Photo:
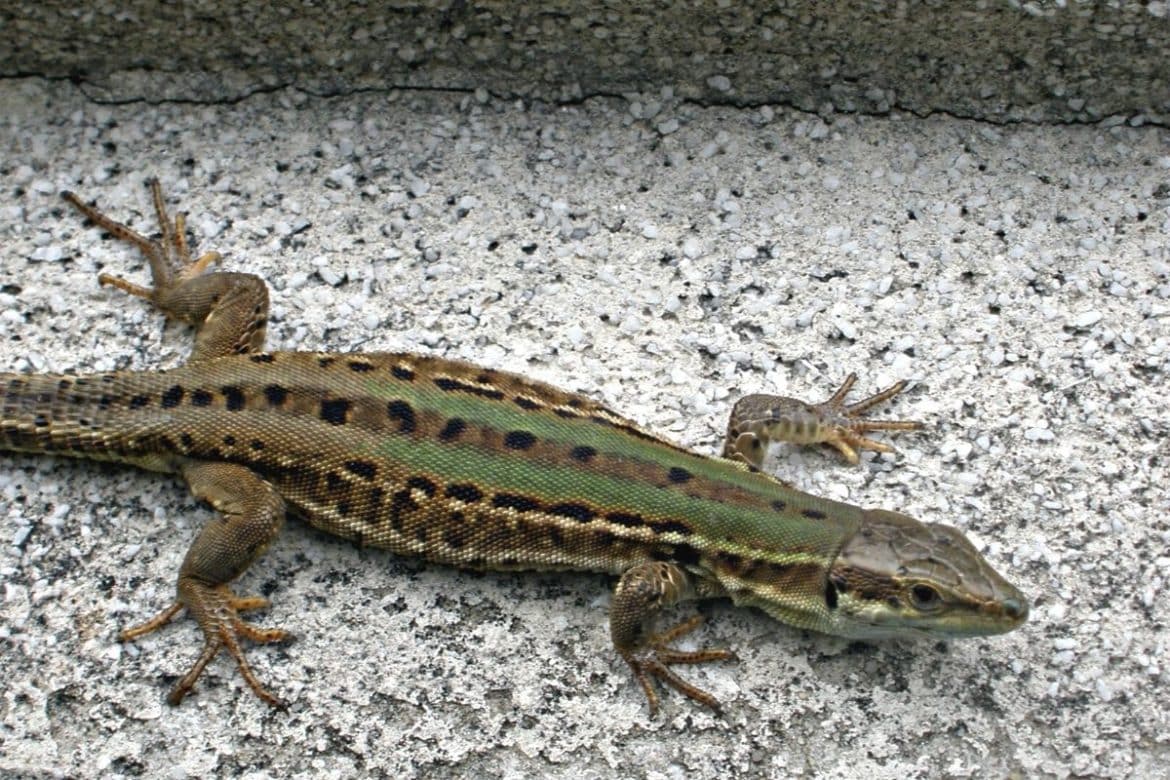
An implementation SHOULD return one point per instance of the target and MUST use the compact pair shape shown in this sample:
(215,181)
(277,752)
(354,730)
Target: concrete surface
(994,60)
(1019,275)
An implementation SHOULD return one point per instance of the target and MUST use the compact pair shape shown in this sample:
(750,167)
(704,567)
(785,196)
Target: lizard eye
(925,598)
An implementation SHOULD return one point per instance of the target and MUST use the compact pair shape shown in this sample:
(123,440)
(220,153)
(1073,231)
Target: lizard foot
(170,258)
(216,609)
(655,658)
(757,420)
(845,424)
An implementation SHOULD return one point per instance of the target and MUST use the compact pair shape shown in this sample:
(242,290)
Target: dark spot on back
(555,535)
(451,431)
(229,440)
(360,366)
(671,527)
(262,357)
(779,505)
(686,555)
(467,493)
(678,475)
(335,411)
(519,440)
(276,395)
(813,514)
(186,440)
(729,559)
(361,468)
(603,539)
(422,484)
(584,454)
(514,501)
(233,398)
(172,397)
(403,373)
(257,445)
(373,505)
(454,536)
(402,412)
(325,362)
(333,481)
(626,519)
(526,403)
(454,385)
(139,401)
(201,398)
(578,512)
(399,503)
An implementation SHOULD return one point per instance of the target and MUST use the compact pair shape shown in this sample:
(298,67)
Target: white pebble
(1087,319)
(418,188)
(846,328)
(668,126)
(329,276)
(719,82)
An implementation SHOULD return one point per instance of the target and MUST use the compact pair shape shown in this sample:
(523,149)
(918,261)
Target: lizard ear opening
(831,593)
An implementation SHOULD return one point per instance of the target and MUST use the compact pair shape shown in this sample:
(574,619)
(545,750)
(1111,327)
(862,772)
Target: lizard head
(897,576)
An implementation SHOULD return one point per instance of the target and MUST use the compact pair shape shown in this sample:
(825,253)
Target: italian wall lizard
(483,469)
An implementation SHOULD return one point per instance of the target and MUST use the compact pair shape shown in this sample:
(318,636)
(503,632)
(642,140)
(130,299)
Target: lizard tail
(67,415)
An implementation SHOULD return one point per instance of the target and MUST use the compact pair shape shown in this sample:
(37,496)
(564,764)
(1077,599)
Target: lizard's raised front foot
(216,609)
(757,420)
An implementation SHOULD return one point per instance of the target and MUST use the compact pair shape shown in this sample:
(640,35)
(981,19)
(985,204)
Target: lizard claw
(216,609)
(655,658)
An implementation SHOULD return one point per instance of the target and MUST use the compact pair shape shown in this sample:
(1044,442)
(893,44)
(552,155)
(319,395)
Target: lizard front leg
(251,515)
(641,593)
(757,420)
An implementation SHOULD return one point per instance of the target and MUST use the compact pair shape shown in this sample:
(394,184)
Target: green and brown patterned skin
(488,470)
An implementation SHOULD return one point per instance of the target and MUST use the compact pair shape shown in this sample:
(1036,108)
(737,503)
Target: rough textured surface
(1048,60)
(1019,275)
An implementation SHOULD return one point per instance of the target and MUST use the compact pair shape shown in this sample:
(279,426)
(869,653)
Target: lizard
(487,470)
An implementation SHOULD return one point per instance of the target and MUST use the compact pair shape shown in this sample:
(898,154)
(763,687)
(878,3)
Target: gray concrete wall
(996,61)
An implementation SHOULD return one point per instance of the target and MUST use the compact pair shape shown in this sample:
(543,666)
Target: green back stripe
(505,415)
(744,531)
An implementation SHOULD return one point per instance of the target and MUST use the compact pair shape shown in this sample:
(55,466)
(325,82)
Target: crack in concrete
(1115,119)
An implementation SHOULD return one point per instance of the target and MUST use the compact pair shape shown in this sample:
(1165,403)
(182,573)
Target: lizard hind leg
(229,310)
(252,515)
(170,259)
